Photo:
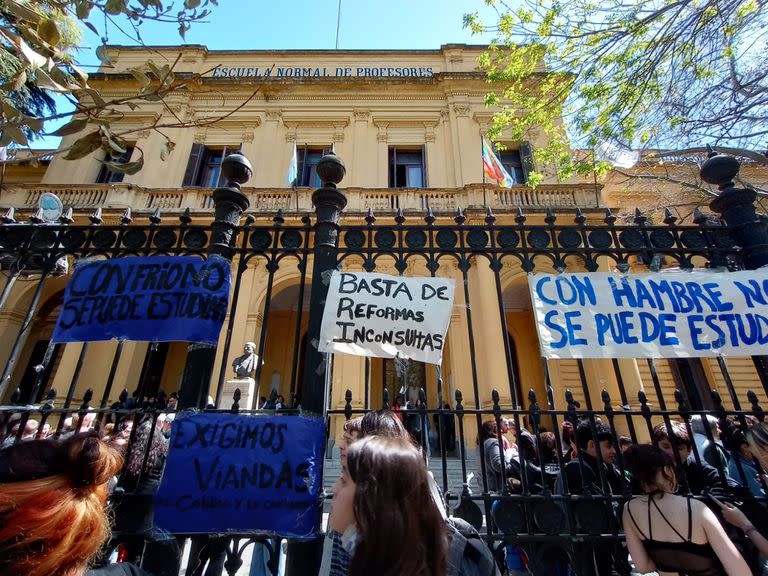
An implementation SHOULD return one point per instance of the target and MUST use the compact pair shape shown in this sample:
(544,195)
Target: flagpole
(482,166)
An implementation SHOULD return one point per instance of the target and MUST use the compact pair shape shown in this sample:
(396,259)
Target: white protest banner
(386,316)
(660,315)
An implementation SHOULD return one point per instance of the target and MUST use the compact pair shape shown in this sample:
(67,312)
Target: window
(512,163)
(307,158)
(107,176)
(204,166)
(406,167)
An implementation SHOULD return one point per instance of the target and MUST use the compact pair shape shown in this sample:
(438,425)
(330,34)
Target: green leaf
(12,133)
(21,11)
(48,30)
(44,81)
(72,127)
(83,9)
(17,81)
(94,94)
(35,59)
(166,148)
(142,78)
(127,167)
(114,7)
(84,146)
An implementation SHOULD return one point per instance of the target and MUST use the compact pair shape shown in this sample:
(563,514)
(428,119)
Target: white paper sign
(660,315)
(386,316)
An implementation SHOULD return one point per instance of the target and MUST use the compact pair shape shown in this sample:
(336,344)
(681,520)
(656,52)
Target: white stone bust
(245,365)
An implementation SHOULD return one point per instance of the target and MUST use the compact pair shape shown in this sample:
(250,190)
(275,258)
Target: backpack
(468,553)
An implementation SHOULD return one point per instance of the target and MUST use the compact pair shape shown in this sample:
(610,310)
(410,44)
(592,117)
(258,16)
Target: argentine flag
(293,168)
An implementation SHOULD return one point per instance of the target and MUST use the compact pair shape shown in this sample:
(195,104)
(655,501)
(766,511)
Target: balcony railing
(121,196)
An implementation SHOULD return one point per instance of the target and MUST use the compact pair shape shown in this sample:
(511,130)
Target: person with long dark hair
(673,533)
(384,492)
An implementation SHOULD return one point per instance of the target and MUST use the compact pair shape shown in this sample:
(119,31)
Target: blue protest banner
(153,298)
(233,473)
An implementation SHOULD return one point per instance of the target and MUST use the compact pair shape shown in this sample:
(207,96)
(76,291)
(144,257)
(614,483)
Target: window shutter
(526,159)
(424,183)
(193,166)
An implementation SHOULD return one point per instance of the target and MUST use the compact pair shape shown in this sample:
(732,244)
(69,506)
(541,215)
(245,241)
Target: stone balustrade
(265,200)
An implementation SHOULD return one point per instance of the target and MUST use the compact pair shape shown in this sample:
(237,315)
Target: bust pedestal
(247,393)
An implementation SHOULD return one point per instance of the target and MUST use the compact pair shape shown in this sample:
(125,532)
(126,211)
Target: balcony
(268,200)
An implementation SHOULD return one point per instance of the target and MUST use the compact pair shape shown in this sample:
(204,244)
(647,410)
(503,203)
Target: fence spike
(458,396)
(66,216)
(756,408)
(37,217)
(699,217)
(8,217)
(399,217)
(369,217)
(95,217)
(126,218)
(639,218)
(278,219)
(430,217)
(250,220)
(186,217)
(16,397)
(520,218)
(236,395)
(669,218)
(609,218)
(459,218)
(490,217)
(550,217)
(580,218)
(155,218)
(348,404)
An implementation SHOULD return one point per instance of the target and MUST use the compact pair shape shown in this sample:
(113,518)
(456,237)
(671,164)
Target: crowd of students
(667,496)
(691,501)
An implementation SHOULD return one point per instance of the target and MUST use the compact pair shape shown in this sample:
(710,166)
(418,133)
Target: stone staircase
(332,470)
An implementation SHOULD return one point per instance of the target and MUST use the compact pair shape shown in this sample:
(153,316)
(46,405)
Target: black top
(685,557)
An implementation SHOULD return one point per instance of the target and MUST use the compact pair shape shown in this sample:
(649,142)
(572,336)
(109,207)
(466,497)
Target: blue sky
(301,24)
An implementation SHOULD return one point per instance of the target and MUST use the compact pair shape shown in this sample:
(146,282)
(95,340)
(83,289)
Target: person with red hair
(52,507)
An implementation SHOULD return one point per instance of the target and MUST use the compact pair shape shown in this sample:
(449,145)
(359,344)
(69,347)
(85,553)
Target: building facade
(409,126)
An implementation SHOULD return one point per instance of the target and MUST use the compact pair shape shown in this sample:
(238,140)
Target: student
(369,495)
(672,533)
(587,474)
(52,498)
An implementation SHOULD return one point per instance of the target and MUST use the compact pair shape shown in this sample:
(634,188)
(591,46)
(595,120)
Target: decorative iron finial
(96,218)
(126,218)
(186,217)
(66,216)
(155,218)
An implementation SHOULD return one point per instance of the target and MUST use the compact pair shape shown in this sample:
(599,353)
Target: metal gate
(550,527)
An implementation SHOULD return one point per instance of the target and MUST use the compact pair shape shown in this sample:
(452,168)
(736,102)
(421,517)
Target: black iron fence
(550,523)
